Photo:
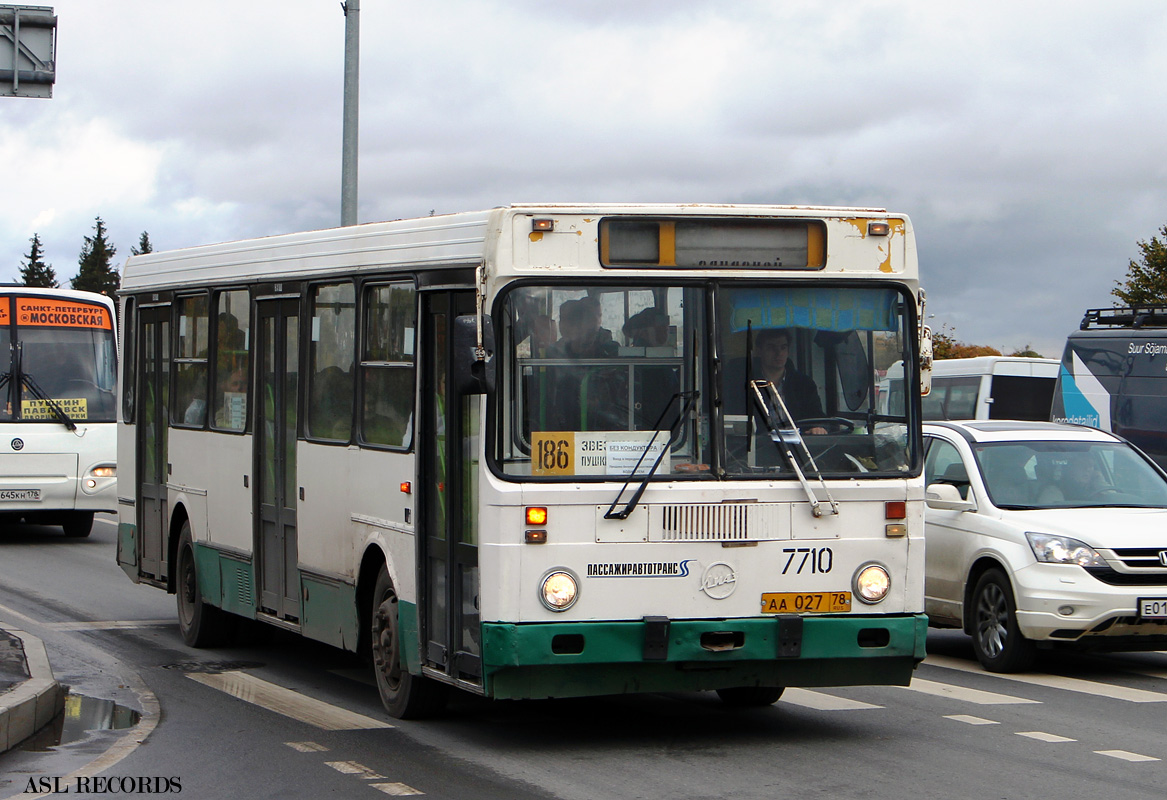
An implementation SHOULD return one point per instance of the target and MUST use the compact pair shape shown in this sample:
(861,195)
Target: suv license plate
(1153,607)
(20,495)
(806,602)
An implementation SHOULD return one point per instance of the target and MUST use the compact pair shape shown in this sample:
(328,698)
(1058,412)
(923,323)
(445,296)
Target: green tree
(1026,352)
(144,245)
(945,345)
(34,271)
(1146,279)
(96,273)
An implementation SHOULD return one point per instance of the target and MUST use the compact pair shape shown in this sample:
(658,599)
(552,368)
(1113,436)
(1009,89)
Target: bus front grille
(724,522)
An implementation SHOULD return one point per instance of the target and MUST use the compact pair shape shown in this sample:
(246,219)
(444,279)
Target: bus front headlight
(871,583)
(559,590)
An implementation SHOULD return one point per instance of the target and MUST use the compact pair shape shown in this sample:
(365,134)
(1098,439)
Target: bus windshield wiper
(36,391)
(784,433)
(690,399)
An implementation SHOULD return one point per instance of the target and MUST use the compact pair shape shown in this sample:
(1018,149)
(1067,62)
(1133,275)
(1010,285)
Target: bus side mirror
(473,369)
(925,361)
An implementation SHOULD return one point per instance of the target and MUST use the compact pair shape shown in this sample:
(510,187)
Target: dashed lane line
(967,695)
(307,747)
(356,770)
(819,701)
(285,701)
(1042,736)
(396,789)
(1125,755)
(970,720)
(1055,682)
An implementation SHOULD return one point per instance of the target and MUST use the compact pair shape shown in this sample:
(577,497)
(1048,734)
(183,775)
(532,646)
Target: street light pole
(352,58)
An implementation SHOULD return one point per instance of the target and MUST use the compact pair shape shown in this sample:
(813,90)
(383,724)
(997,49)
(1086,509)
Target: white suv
(1040,532)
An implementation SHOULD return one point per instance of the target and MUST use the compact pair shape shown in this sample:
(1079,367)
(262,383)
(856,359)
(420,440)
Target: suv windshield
(58,360)
(1069,474)
(594,380)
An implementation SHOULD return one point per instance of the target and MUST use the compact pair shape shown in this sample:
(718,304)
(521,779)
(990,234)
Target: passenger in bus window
(647,328)
(655,385)
(581,333)
(798,391)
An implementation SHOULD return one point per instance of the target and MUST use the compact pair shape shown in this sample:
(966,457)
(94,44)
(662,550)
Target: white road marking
(967,695)
(1045,737)
(353,768)
(971,720)
(1055,682)
(287,702)
(307,747)
(396,789)
(1124,755)
(822,702)
(110,625)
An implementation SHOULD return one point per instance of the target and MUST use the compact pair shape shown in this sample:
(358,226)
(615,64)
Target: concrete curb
(32,704)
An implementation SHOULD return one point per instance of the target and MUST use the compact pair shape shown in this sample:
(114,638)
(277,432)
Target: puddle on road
(81,716)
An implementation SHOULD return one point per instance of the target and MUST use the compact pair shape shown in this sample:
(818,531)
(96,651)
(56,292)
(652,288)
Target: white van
(985,387)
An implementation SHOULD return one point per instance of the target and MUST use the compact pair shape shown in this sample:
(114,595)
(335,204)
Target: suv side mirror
(946,496)
(473,374)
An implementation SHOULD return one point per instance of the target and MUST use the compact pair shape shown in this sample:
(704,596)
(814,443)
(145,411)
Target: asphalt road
(222,723)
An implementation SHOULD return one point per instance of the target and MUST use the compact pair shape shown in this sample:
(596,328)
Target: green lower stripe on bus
(587,658)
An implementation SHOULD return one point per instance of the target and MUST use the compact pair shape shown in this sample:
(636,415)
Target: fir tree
(144,245)
(34,271)
(96,273)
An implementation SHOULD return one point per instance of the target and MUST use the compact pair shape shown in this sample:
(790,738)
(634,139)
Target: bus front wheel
(750,696)
(406,696)
(201,624)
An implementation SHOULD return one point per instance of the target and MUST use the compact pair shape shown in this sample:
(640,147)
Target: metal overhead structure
(28,51)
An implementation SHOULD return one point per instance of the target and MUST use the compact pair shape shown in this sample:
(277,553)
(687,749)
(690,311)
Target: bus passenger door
(152,430)
(277,390)
(448,479)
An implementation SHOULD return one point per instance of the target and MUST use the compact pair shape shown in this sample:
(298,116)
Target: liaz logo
(719,580)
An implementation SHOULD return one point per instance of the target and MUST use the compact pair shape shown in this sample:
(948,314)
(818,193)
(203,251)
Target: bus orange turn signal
(536,515)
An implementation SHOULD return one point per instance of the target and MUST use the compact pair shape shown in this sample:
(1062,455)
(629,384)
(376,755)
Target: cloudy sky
(1026,140)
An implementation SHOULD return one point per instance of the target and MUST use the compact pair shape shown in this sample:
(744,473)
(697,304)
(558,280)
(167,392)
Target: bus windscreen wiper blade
(783,431)
(674,432)
(36,391)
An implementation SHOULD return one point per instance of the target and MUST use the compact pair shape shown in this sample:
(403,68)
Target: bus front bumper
(541,660)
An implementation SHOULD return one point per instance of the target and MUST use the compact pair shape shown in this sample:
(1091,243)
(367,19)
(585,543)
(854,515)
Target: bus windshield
(604,382)
(59,353)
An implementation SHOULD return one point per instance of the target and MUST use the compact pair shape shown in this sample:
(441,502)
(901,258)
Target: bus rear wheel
(78,525)
(201,624)
(750,696)
(405,696)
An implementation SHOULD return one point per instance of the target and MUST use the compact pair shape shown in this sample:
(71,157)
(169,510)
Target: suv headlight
(1053,549)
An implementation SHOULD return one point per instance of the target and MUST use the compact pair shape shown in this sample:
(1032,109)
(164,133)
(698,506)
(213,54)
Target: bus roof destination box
(1114,376)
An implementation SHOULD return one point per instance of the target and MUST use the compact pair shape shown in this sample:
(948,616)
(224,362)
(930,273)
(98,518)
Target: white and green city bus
(532,452)
(58,367)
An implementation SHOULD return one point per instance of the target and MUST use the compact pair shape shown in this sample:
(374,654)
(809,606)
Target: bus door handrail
(784,433)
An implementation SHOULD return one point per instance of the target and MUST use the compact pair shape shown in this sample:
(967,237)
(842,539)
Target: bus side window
(129,336)
(330,362)
(232,361)
(387,366)
(191,349)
